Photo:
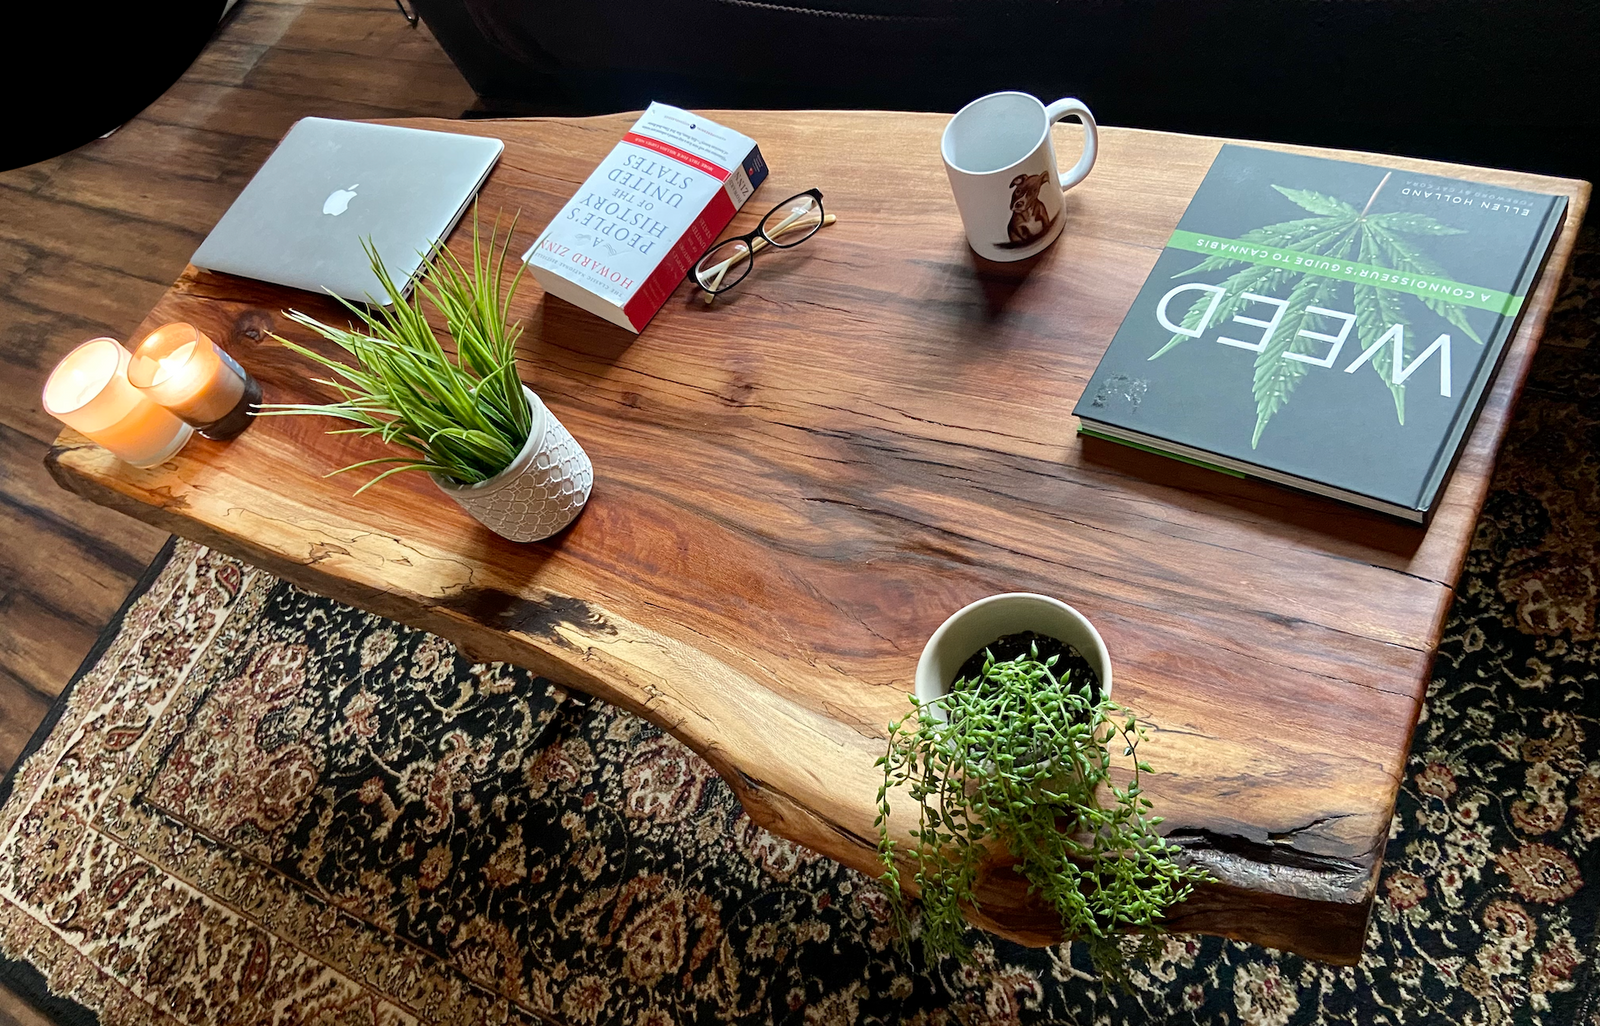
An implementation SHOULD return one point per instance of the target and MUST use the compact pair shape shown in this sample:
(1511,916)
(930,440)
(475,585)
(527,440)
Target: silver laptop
(331,184)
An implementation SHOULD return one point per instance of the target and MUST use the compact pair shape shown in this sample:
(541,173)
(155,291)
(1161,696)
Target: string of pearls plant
(1020,758)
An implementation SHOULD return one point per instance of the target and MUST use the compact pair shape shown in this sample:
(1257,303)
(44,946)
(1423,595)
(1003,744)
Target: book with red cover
(626,240)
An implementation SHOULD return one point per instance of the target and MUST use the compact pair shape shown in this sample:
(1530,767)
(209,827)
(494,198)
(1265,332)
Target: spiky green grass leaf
(462,412)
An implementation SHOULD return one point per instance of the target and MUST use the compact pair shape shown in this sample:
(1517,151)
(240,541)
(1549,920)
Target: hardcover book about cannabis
(1327,325)
(660,198)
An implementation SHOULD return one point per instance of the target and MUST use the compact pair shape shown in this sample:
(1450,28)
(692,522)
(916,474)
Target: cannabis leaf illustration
(1339,231)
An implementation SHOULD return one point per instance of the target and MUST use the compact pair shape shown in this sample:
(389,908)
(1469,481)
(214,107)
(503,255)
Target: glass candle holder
(89,392)
(180,368)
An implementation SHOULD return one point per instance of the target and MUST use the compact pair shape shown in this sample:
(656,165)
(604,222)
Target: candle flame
(173,362)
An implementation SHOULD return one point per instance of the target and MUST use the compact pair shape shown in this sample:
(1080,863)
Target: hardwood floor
(88,243)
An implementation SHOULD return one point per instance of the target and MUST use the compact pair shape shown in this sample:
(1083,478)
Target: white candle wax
(89,392)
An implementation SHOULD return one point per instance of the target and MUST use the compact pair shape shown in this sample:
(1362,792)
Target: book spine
(1499,344)
(746,178)
(738,186)
(672,269)
(755,167)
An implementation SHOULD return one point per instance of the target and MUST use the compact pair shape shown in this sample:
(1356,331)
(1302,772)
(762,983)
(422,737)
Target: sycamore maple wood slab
(796,485)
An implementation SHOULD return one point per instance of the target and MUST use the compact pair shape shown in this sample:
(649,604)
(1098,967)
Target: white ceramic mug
(1002,167)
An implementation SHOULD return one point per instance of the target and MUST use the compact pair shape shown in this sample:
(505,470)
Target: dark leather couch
(1508,83)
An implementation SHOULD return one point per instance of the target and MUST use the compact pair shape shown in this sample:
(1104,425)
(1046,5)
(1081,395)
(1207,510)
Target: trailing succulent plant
(463,413)
(1019,757)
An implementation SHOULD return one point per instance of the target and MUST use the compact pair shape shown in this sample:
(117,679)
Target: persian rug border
(69,925)
(19,974)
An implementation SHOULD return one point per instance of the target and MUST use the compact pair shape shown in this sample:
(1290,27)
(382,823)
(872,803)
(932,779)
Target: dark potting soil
(1013,645)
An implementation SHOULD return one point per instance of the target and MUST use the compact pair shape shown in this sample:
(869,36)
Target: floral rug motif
(262,806)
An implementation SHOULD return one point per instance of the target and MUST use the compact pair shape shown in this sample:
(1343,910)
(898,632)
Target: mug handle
(1091,137)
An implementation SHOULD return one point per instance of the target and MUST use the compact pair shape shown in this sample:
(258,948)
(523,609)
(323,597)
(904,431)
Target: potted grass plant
(1009,751)
(465,416)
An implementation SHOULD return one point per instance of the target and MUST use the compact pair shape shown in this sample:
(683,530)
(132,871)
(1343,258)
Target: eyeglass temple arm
(717,272)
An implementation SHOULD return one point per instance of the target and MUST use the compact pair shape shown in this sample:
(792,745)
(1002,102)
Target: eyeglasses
(788,224)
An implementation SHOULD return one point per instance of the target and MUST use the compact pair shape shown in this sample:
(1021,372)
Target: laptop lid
(329,185)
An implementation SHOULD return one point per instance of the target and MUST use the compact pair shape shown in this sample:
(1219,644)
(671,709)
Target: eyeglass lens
(790,223)
(793,221)
(723,266)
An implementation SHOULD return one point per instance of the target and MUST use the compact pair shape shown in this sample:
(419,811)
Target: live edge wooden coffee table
(796,485)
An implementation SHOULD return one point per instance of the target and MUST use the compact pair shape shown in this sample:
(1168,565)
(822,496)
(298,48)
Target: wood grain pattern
(797,484)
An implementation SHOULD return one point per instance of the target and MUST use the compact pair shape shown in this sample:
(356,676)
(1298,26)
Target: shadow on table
(998,283)
(560,325)
(497,604)
(1310,519)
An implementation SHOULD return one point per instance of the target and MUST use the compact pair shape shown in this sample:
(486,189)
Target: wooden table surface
(796,485)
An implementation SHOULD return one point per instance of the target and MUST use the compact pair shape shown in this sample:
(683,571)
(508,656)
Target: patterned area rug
(261,806)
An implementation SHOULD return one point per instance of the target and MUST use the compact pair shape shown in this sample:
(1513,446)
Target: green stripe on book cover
(1092,433)
(1425,285)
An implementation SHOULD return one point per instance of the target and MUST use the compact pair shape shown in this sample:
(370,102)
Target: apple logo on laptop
(339,200)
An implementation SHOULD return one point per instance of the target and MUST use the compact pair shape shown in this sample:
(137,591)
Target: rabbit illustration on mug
(1030,218)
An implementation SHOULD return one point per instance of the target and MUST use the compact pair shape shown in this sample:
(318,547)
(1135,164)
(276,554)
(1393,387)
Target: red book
(628,237)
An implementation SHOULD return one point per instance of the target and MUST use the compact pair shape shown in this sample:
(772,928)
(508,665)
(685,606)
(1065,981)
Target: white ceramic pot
(974,627)
(540,492)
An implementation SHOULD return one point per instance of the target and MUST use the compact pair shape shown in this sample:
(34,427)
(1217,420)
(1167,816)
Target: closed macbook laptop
(331,184)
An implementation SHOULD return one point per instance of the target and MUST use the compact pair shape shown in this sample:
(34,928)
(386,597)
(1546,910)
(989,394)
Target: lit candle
(167,366)
(89,392)
(178,366)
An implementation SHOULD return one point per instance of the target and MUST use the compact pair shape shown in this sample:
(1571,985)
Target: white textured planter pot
(543,489)
(972,628)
